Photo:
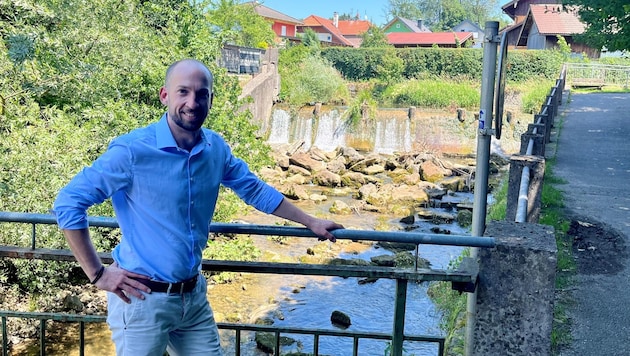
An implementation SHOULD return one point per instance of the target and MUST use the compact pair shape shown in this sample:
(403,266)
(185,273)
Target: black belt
(172,288)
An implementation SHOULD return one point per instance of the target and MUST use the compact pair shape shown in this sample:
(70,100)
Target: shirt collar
(164,137)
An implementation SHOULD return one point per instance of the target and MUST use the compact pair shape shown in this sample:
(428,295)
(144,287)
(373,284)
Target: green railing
(463,279)
(597,75)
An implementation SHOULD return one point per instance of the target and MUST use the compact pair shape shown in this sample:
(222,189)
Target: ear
(163,96)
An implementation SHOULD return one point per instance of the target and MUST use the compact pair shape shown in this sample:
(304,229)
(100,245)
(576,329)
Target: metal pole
(399,317)
(484,137)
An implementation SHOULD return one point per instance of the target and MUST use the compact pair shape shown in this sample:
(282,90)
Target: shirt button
(192,202)
(192,225)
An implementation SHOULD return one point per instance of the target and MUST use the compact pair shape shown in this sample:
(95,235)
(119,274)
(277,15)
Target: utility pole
(484,137)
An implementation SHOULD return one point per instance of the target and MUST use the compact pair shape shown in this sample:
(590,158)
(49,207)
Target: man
(164,181)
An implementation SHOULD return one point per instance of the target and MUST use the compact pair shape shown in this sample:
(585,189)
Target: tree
(374,37)
(240,24)
(408,9)
(607,22)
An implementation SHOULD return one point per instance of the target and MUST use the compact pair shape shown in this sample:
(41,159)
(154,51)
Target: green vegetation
(440,93)
(533,93)
(75,75)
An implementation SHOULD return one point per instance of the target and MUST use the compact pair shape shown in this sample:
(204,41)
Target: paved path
(593,157)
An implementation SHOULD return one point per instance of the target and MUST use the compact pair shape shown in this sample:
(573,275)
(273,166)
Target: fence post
(515,293)
(538,137)
(536,166)
(546,120)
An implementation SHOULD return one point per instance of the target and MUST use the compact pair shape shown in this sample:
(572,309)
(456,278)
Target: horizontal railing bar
(389,236)
(368,235)
(418,275)
(62,317)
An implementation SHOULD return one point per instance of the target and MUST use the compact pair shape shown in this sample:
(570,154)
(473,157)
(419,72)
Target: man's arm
(320,227)
(113,279)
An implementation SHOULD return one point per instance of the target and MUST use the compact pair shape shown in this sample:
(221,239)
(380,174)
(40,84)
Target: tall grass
(533,93)
(433,93)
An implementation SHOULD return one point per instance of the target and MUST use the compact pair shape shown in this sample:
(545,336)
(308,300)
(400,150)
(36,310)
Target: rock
(373,170)
(293,169)
(340,319)
(341,208)
(327,179)
(266,341)
(337,165)
(294,191)
(408,219)
(432,172)
(305,161)
(72,303)
(353,179)
(383,260)
(464,217)
(318,198)
(455,184)
(297,179)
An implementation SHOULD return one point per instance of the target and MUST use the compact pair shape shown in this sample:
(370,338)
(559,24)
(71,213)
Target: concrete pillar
(539,140)
(536,166)
(515,292)
(545,119)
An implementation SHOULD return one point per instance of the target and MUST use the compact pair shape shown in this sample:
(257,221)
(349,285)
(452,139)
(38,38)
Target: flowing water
(301,301)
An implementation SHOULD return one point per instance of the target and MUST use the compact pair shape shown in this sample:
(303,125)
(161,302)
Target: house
(327,31)
(537,23)
(469,26)
(283,25)
(544,22)
(352,30)
(399,24)
(429,39)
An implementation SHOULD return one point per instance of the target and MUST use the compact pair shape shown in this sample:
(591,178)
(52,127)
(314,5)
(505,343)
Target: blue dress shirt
(163,196)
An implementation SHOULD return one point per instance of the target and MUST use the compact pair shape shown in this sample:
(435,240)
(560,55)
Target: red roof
(316,21)
(553,19)
(353,27)
(427,38)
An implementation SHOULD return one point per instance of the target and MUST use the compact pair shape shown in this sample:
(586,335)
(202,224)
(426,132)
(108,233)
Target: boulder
(294,191)
(353,179)
(305,161)
(293,169)
(341,208)
(327,179)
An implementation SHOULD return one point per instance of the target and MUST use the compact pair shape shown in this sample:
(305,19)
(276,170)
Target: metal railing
(463,279)
(597,75)
(533,142)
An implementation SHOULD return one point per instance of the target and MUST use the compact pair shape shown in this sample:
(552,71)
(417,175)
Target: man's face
(188,95)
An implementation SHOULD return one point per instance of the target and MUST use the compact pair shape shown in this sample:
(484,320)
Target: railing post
(545,119)
(538,137)
(399,317)
(516,291)
(536,166)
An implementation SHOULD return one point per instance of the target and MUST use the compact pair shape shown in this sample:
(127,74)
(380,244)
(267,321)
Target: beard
(191,120)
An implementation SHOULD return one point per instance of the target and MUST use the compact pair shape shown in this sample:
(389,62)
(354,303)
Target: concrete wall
(262,91)
(515,293)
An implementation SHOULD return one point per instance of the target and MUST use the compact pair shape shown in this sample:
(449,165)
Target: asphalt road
(593,157)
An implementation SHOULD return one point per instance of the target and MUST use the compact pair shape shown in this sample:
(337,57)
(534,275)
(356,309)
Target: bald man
(164,181)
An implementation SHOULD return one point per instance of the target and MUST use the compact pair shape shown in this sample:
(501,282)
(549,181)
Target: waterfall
(279,131)
(330,131)
(390,134)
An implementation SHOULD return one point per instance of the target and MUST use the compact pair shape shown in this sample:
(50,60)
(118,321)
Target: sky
(300,9)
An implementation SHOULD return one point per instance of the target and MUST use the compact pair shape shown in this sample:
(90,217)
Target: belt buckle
(181,288)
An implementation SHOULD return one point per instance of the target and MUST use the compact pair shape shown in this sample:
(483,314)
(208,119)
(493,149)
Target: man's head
(187,93)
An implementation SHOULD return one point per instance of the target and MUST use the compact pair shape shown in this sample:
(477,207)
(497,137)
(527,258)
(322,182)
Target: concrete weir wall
(263,90)
(515,292)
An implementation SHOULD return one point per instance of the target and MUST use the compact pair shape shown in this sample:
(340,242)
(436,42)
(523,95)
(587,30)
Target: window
(283,31)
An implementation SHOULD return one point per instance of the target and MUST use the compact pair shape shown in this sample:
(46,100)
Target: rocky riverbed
(362,191)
